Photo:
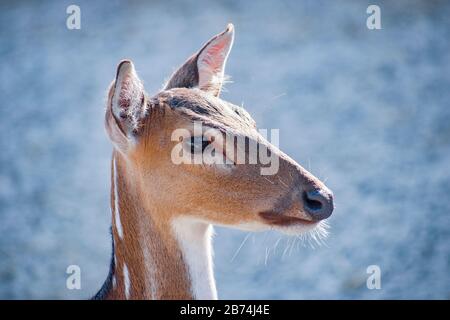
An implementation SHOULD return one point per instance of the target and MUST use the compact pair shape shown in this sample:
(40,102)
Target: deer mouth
(280,220)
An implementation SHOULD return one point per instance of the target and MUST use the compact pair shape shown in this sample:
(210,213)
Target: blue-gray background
(367,111)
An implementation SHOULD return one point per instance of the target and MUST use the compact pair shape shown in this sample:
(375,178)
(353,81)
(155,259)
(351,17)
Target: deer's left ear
(206,69)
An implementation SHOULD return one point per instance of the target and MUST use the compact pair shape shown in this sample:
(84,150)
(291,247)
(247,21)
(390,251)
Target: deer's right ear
(126,106)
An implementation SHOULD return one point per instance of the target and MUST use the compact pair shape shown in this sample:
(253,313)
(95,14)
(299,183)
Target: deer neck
(154,257)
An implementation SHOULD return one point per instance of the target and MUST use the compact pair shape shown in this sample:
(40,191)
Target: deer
(163,213)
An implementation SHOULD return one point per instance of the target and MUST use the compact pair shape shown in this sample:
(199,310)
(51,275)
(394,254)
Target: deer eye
(198,144)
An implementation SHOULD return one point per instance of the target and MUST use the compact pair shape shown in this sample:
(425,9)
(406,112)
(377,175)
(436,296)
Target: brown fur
(153,191)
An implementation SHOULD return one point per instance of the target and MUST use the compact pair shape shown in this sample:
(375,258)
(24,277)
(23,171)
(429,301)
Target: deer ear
(206,69)
(126,105)
(212,59)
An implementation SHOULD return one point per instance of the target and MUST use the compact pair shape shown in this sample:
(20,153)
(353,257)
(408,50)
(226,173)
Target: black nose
(318,204)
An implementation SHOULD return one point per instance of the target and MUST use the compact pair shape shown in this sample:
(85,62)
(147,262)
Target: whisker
(278,96)
(318,235)
(275,246)
(282,182)
(286,249)
(301,241)
(240,247)
(292,246)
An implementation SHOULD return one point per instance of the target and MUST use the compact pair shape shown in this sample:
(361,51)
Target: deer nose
(318,204)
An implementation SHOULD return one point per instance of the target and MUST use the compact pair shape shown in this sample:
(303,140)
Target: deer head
(154,138)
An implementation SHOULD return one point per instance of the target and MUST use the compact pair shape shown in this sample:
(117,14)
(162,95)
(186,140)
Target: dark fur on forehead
(200,106)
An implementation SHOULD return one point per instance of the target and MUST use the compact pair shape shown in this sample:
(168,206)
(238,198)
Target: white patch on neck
(116,203)
(194,238)
(126,280)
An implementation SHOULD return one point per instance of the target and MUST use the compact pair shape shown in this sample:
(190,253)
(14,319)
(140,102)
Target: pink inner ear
(214,55)
(211,62)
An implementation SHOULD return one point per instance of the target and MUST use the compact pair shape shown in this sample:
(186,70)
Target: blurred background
(366,110)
